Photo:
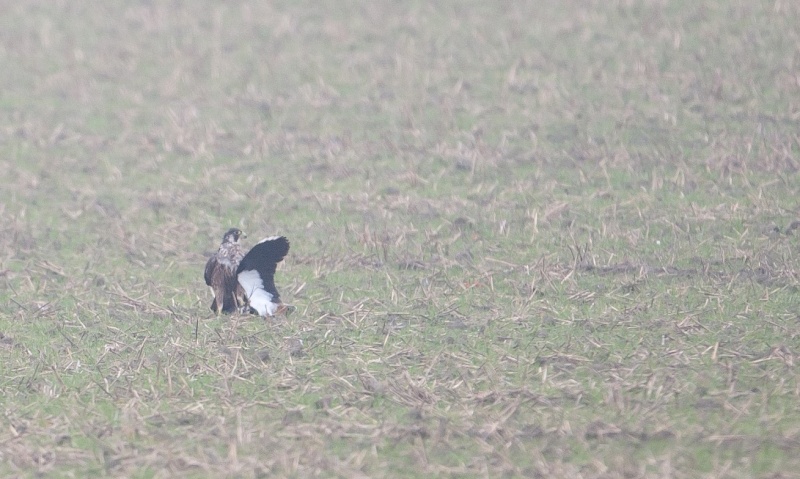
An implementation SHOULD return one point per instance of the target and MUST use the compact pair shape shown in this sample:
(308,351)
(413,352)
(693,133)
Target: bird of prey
(246,282)
(220,273)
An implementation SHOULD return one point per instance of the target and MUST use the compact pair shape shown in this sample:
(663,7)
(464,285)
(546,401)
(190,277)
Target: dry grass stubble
(559,248)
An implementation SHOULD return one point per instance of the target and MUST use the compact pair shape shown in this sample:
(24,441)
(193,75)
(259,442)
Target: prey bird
(246,282)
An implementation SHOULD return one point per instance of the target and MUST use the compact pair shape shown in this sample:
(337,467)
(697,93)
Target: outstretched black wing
(256,274)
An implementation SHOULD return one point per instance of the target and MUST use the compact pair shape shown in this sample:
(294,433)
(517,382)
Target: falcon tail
(256,274)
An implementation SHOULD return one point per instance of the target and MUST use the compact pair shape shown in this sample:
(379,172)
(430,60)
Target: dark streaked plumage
(243,282)
(220,273)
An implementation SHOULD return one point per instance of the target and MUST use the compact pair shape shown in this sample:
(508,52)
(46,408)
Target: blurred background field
(529,239)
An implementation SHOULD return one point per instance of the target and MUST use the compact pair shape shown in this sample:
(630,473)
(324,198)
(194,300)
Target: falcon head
(232,236)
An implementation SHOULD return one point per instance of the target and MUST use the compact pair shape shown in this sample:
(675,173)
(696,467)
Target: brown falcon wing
(214,276)
(209,272)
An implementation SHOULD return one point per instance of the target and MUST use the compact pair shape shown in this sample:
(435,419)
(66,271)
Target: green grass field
(551,239)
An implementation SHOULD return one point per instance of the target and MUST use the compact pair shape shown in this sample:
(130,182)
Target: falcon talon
(246,282)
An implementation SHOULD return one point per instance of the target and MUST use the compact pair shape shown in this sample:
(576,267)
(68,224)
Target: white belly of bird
(259,298)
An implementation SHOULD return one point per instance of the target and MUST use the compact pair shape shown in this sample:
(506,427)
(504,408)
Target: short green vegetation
(529,239)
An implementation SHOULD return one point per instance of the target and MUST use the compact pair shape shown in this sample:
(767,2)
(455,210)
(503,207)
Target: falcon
(246,282)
